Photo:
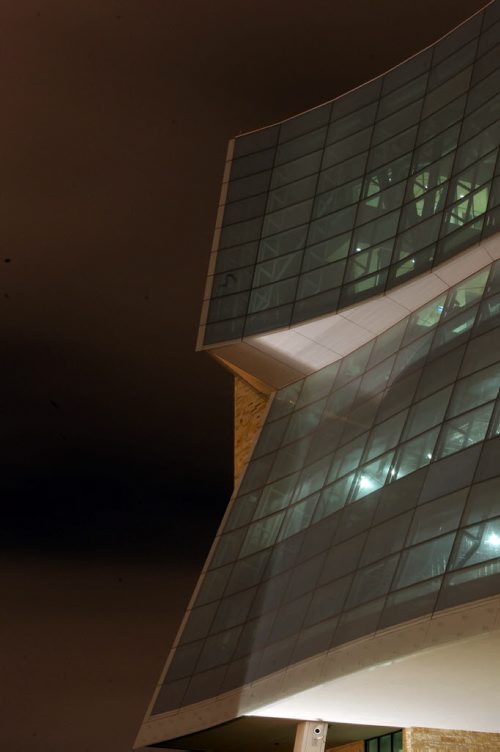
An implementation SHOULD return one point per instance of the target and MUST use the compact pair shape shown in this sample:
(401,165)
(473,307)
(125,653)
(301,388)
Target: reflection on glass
(396,177)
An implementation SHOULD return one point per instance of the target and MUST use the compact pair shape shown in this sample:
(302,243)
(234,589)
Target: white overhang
(284,356)
(438,671)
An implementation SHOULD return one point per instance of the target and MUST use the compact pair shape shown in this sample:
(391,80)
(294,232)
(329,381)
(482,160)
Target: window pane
(411,602)
(342,558)
(471,178)
(424,561)
(305,420)
(320,280)
(262,534)
(242,510)
(392,149)
(276,496)
(477,543)
(305,122)
(228,547)
(347,458)
(318,384)
(342,173)
(465,430)
(464,211)
(372,581)
(386,538)
(284,401)
(256,473)
(214,583)
(385,435)
(374,232)
(386,175)
(437,517)
(297,147)
(415,454)
(397,741)
(333,497)
(298,517)
(440,372)
(328,600)
(282,243)
(424,207)
(299,168)
(431,176)
(424,319)
(475,390)
(312,478)
(427,413)
(218,649)
(247,572)
(367,262)
(320,254)
(290,458)
(484,501)
(372,476)
(398,396)
(352,123)
(341,400)
(478,581)
(338,198)
(452,332)
(271,436)
(401,120)
(385,743)
(331,225)
(348,147)
(466,293)
(388,343)
(354,364)
(402,95)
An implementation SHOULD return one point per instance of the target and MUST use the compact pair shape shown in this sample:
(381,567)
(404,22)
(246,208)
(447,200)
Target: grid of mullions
(392,742)
(362,194)
(371,498)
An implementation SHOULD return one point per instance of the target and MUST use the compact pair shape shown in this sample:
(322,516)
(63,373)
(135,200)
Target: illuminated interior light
(493,539)
(365,483)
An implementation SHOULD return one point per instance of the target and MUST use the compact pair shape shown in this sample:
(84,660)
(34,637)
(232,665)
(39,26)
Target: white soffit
(437,671)
(452,686)
(307,347)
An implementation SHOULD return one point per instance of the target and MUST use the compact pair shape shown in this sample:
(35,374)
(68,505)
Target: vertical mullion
(320,167)
(436,261)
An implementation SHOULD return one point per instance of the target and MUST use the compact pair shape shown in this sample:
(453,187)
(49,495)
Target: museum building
(351,598)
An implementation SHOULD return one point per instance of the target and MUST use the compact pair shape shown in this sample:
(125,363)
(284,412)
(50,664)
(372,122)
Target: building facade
(354,290)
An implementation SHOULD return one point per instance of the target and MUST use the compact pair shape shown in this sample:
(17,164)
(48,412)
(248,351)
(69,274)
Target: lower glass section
(372,498)
(386,743)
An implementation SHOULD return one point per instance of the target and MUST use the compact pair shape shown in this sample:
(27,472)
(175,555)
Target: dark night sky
(115,455)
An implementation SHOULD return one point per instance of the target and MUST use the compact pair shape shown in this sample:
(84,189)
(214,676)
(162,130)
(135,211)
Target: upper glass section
(359,195)
(372,497)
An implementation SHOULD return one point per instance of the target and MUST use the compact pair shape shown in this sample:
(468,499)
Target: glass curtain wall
(372,497)
(363,193)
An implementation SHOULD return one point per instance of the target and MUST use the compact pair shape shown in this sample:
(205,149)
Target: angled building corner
(353,587)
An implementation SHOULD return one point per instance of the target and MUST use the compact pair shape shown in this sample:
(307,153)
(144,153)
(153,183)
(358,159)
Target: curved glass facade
(361,194)
(372,497)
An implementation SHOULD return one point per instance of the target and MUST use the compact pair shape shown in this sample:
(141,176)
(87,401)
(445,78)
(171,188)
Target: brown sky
(114,464)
